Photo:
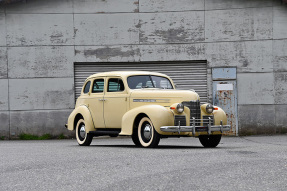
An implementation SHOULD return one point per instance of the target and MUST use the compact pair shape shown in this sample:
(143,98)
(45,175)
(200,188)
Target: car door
(115,104)
(95,102)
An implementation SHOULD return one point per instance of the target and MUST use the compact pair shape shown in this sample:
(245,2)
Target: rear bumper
(209,128)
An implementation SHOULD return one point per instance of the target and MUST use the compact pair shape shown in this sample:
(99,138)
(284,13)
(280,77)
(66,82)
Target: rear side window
(87,87)
(98,86)
(115,85)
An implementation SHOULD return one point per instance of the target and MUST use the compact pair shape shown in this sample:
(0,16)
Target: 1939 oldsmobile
(145,106)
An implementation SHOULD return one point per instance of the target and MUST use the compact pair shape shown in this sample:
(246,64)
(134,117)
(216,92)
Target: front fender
(159,115)
(219,115)
(86,114)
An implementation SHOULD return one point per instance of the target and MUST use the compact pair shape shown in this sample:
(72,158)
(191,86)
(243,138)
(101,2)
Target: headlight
(209,108)
(180,108)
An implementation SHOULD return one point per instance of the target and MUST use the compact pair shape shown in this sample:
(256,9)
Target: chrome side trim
(152,100)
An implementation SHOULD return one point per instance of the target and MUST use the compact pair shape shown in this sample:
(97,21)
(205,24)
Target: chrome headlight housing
(180,108)
(209,108)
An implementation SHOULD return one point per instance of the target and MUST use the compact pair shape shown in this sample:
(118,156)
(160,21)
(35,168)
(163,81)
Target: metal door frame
(226,76)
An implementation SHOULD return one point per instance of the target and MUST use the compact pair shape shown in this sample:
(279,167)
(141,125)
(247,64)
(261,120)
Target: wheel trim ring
(82,132)
(79,138)
(147,131)
(141,138)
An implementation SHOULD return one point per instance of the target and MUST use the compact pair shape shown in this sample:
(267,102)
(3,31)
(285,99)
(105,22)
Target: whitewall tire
(147,135)
(83,138)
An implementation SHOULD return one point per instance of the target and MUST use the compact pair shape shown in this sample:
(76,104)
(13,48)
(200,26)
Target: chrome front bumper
(209,128)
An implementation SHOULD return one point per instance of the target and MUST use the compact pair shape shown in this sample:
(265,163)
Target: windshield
(148,81)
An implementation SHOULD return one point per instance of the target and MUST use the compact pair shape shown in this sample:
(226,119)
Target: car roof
(125,74)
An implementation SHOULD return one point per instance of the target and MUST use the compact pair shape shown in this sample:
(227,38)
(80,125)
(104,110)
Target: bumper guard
(209,128)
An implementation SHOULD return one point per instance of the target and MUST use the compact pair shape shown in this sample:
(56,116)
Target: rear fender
(84,111)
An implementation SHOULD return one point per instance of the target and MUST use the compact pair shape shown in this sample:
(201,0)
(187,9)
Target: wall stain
(77,52)
(245,63)
(176,35)
(106,53)
(57,38)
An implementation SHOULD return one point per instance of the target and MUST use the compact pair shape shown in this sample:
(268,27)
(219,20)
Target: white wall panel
(43,61)
(238,24)
(106,29)
(39,29)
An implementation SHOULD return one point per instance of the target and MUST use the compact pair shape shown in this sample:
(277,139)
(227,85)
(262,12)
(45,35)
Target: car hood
(162,96)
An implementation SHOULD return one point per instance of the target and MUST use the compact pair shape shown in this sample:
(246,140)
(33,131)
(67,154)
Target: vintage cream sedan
(146,106)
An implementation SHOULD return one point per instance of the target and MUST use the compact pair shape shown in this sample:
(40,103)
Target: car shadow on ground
(158,147)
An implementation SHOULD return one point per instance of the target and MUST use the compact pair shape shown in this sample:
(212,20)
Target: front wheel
(135,137)
(209,141)
(83,138)
(147,135)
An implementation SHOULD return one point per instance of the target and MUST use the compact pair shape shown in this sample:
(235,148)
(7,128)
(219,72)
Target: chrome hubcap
(147,131)
(83,131)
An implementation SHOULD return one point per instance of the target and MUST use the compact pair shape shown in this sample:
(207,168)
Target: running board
(105,132)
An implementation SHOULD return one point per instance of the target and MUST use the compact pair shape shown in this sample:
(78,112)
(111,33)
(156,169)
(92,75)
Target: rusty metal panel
(225,96)
(223,73)
(187,75)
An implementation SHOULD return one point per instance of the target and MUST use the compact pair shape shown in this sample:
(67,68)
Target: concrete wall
(40,41)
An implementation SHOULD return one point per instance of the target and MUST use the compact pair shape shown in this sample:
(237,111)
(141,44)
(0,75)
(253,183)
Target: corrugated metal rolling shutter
(187,75)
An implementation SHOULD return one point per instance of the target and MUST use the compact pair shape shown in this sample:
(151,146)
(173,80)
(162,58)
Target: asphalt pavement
(238,163)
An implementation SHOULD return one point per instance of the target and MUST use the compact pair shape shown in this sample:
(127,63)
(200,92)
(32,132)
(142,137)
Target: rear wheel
(209,141)
(147,135)
(83,138)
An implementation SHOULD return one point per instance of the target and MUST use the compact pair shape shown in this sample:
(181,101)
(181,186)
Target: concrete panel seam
(259,104)
(67,109)
(256,40)
(68,77)
(173,11)
(9,120)
(237,8)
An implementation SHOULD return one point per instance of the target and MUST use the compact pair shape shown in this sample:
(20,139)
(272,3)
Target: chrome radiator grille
(181,119)
(195,111)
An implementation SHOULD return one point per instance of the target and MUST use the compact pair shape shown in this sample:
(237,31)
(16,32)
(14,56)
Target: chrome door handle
(102,99)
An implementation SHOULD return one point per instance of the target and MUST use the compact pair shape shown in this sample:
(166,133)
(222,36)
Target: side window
(98,86)
(115,85)
(87,87)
